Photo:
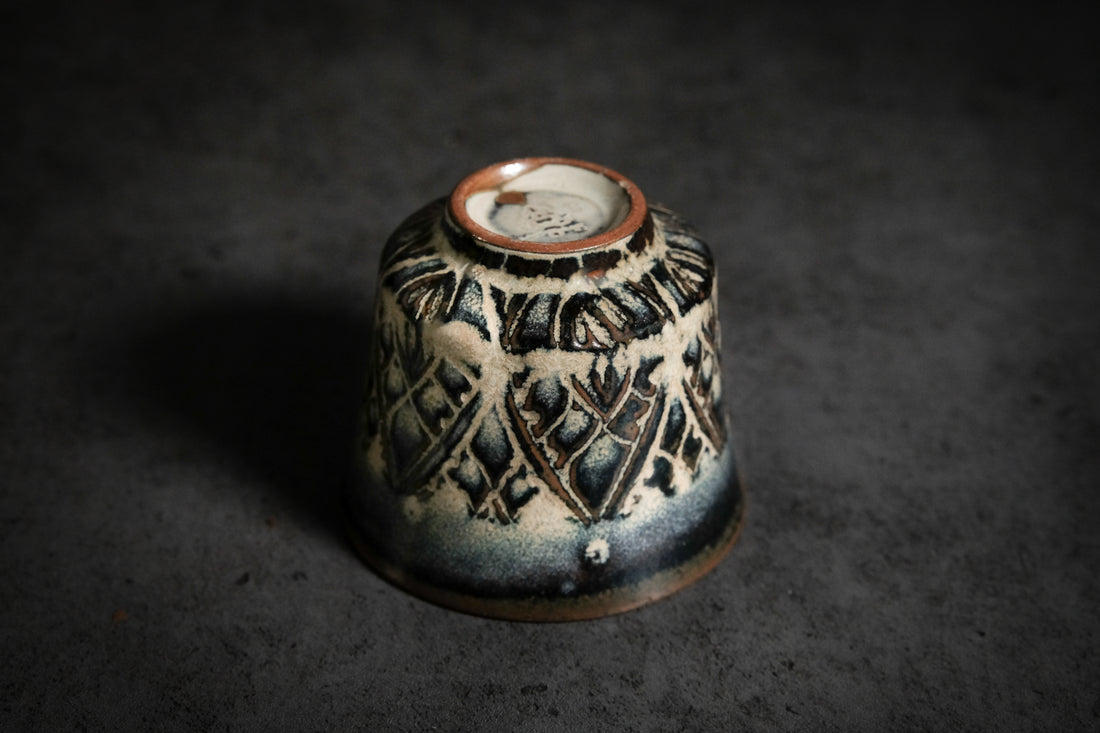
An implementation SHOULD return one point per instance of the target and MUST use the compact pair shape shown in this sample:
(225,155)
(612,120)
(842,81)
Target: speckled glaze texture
(543,436)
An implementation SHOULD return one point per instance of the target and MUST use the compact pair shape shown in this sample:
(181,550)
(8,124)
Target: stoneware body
(543,436)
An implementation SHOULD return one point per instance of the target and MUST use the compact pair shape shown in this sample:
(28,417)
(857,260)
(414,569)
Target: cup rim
(497,174)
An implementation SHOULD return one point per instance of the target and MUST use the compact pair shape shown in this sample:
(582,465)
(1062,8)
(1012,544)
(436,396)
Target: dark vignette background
(904,208)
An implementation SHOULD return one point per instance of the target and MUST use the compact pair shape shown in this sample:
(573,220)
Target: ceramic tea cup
(543,436)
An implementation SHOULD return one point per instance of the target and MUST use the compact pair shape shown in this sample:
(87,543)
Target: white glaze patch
(597,552)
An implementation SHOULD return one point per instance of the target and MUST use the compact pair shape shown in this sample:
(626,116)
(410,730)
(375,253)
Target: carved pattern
(600,319)
(635,418)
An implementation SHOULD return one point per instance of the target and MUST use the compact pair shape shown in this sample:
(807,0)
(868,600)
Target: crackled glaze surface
(545,426)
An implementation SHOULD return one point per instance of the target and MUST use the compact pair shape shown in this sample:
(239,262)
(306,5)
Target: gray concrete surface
(903,205)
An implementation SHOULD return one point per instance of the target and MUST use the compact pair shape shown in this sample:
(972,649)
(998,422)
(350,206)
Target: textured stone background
(903,203)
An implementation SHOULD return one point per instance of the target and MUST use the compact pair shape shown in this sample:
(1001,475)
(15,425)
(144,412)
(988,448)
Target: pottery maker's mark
(546,216)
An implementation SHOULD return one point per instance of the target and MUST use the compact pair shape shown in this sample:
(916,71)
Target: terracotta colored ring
(497,174)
